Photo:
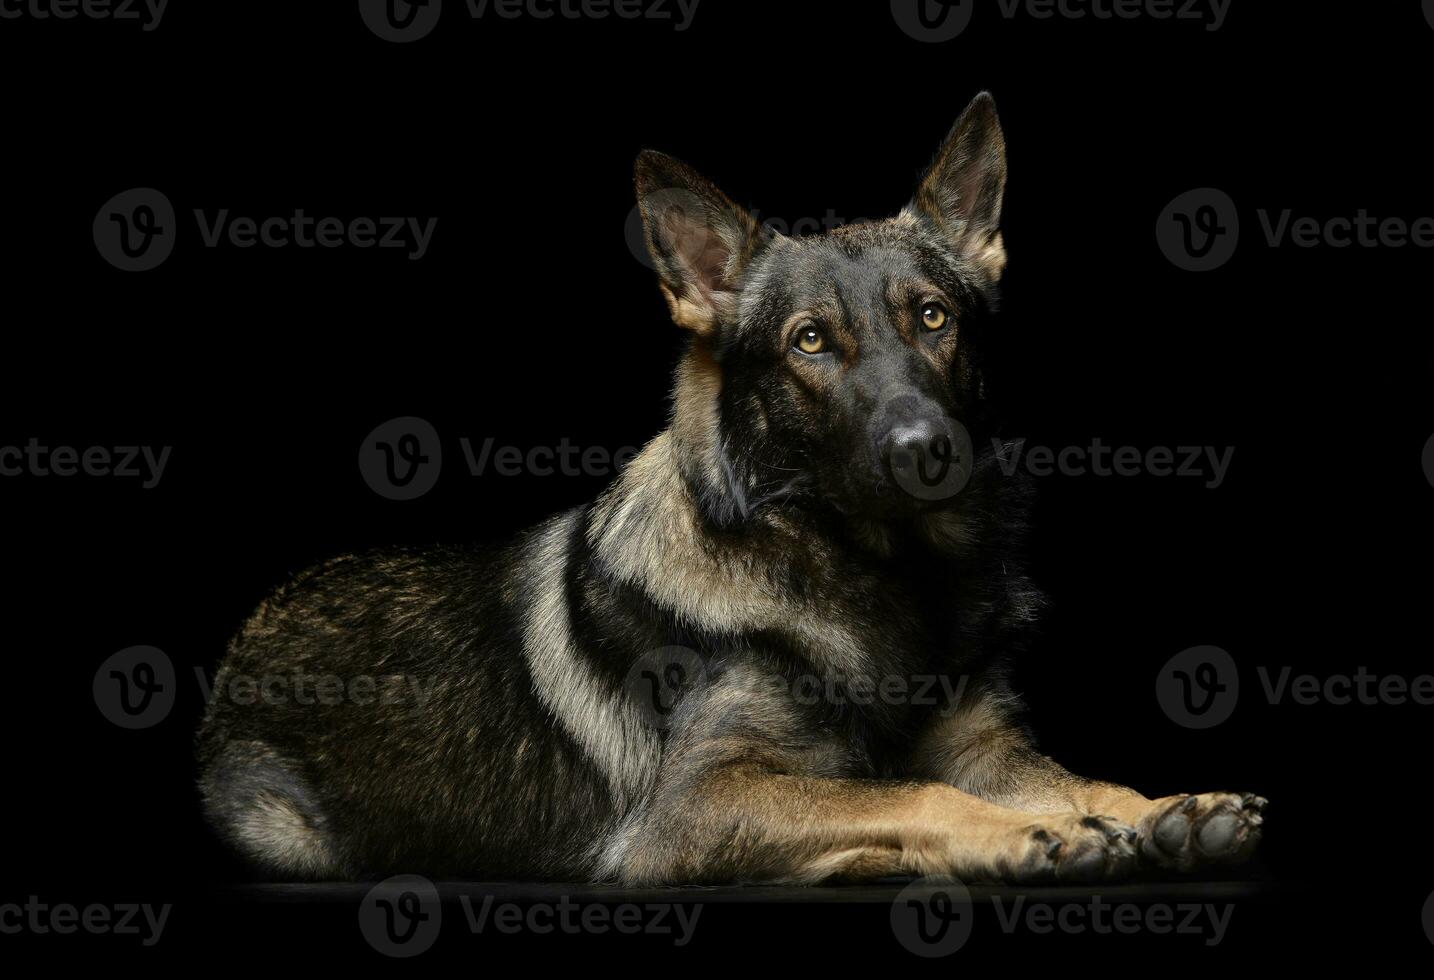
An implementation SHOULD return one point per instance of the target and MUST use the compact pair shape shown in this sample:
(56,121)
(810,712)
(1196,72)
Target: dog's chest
(892,645)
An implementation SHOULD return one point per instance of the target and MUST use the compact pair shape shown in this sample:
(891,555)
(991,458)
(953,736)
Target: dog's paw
(1188,832)
(1076,847)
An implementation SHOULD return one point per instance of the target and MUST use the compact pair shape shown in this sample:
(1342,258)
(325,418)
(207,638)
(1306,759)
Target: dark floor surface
(881,893)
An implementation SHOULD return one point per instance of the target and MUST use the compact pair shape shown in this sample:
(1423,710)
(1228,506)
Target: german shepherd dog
(770,569)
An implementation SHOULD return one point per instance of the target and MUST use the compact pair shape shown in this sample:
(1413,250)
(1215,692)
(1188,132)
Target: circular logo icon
(932,21)
(135,230)
(660,679)
(1199,687)
(135,688)
(1199,230)
(1429,461)
(636,237)
(932,917)
(940,469)
(401,459)
(401,21)
(401,916)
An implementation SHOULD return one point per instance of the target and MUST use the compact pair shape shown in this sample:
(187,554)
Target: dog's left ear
(698,239)
(961,193)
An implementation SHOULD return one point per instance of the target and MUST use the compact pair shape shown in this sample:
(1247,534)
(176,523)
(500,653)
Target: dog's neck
(675,527)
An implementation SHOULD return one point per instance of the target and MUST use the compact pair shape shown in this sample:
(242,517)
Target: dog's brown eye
(933,316)
(811,341)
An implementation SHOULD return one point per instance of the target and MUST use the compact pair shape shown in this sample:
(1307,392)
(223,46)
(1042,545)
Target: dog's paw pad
(1211,828)
(1172,830)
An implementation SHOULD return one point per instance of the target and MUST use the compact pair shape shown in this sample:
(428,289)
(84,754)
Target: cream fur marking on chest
(610,730)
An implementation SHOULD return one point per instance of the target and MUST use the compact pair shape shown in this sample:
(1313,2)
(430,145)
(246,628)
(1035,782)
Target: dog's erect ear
(961,193)
(699,240)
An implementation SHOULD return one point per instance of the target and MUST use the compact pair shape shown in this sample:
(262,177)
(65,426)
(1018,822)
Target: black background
(530,320)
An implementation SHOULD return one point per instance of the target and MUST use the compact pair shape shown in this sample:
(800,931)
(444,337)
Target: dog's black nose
(912,446)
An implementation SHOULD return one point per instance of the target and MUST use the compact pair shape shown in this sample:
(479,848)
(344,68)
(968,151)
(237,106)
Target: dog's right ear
(961,194)
(698,239)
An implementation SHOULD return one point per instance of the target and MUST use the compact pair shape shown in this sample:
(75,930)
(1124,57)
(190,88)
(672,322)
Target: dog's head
(843,365)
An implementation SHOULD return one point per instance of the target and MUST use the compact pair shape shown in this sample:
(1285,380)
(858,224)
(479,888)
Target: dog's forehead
(853,264)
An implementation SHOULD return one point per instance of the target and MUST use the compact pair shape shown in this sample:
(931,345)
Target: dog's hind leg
(262,804)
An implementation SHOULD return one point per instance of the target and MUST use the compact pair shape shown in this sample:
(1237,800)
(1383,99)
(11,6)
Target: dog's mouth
(889,499)
(863,489)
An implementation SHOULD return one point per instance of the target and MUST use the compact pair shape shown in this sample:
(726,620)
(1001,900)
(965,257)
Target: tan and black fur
(766,532)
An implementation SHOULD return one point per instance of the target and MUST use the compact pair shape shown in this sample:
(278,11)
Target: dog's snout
(910,445)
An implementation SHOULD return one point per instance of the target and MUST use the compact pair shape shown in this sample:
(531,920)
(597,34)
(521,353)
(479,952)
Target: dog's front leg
(980,748)
(744,823)
(750,791)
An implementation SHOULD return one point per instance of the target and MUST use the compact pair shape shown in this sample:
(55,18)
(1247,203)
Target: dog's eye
(934,316)
(810,340)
